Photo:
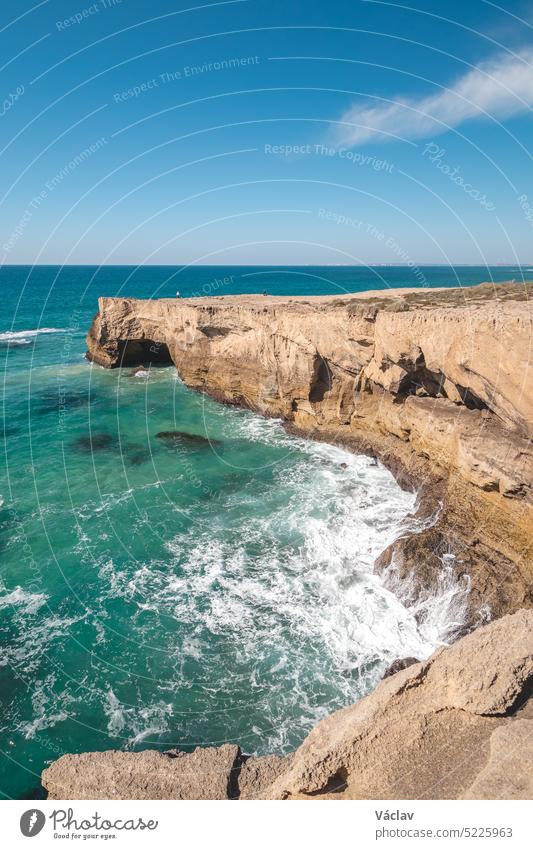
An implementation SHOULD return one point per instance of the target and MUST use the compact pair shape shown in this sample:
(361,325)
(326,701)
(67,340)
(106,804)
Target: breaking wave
(440,610)
(274,599)
(246,618)
(25,337)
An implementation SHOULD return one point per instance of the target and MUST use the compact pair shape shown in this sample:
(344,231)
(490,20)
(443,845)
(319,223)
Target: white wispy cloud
(500,89)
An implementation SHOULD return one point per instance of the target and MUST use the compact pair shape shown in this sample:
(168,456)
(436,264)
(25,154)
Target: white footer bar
(298,825)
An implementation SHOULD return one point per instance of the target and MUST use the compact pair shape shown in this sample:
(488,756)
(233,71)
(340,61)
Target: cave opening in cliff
(140,352)
(321,381)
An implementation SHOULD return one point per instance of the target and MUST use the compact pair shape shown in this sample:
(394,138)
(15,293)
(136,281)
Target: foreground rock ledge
(436,383)
(459,726)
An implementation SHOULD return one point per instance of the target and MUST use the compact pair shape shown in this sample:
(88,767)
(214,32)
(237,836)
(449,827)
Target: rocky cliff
(437,384)
(458,726)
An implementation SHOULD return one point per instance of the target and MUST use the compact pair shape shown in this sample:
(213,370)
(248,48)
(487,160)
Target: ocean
(154,597)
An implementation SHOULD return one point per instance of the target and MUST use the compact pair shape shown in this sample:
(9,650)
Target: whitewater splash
(441,611)
(25,337)
(255,613)
(286,590)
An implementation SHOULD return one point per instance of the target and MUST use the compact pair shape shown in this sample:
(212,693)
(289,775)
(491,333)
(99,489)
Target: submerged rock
(177,437)
(95,442)
(9,430)
(135,453)
(52,400)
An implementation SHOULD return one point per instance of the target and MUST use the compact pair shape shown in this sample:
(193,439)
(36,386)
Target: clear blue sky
(165,132)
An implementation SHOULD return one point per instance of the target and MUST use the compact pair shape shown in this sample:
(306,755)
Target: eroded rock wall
(436,384)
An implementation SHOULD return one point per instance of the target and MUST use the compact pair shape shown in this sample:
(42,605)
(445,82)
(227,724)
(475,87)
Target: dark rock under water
(135,454)
(176,437)
(9,430)
(95,442)
(50,401)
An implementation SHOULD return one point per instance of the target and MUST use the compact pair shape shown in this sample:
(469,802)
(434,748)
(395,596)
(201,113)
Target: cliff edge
(435,383)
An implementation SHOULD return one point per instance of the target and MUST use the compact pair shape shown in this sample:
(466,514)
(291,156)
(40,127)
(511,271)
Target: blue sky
(260,131)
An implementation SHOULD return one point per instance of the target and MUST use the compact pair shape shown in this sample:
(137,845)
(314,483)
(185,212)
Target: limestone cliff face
(458,726)
(437,384)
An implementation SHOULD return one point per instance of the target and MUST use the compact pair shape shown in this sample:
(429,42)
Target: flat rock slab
(203,774)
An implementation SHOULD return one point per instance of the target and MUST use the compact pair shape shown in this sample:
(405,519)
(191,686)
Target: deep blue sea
(155,598)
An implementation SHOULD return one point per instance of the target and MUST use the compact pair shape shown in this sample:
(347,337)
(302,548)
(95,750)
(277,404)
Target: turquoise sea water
(162,595)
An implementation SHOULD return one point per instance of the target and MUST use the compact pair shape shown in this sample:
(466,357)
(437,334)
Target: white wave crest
(29,602)
(25,337)
(289,595)
(441,610)
(48,707)
(135,724)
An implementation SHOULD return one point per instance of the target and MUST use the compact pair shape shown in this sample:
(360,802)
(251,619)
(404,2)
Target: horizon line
(266,265)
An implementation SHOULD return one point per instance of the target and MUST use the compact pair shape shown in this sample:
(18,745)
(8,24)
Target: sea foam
(25,337)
